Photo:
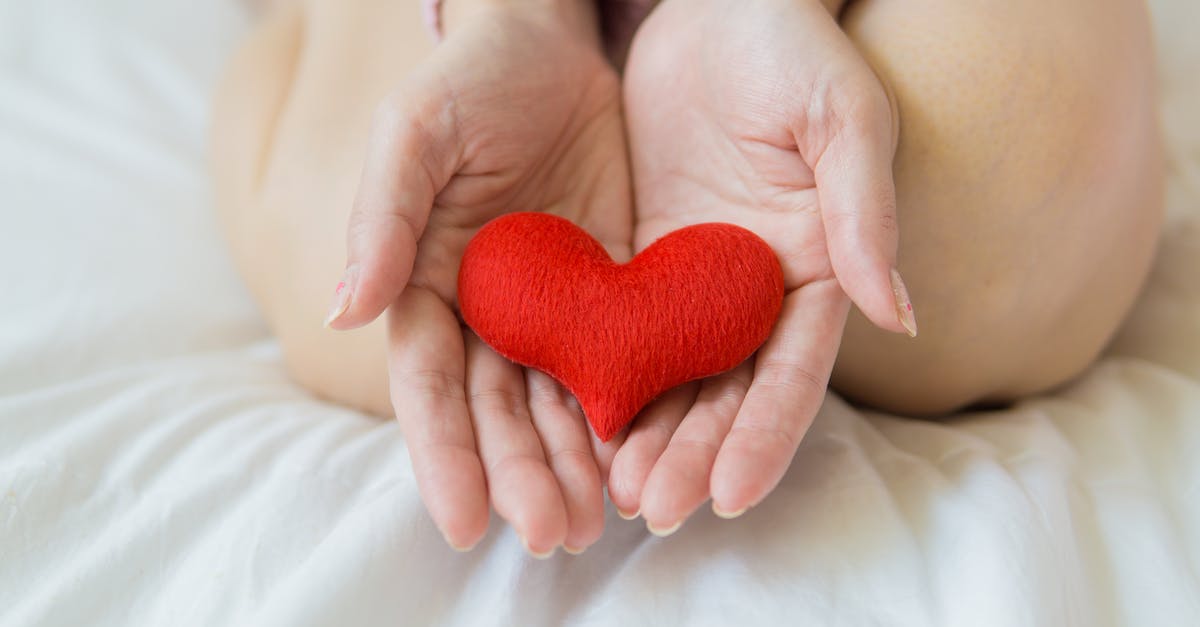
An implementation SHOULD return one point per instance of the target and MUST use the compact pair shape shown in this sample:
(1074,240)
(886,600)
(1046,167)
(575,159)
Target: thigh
(289,134)
(1028,179)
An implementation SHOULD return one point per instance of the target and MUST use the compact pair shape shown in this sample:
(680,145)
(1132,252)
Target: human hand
(516,110)
(763,114)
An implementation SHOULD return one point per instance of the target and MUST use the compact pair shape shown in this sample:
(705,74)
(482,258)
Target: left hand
(760,113)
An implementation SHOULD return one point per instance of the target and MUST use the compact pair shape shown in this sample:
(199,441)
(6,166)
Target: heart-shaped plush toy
(543,293)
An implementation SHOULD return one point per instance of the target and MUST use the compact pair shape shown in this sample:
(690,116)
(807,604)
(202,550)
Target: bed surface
(157,467)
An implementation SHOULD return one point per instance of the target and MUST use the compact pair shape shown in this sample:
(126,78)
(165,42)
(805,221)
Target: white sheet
(157,468)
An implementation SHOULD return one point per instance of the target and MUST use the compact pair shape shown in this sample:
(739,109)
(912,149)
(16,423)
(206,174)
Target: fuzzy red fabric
(543,293)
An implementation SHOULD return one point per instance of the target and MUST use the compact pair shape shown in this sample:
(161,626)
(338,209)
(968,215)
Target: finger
(605,452)
(410,158)
(524,490)
(679,481)
(648,438)
(791,372)
(564,436)
(426,367)
(857,195)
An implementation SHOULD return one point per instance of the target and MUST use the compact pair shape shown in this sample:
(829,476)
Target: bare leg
(290,132)
(1028,176)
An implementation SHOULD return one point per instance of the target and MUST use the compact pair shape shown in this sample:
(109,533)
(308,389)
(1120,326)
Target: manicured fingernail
(662,533)
(572,550)
(904,308)
(727,515)
(627,515)
(460,549)
(535,554)
(341,296)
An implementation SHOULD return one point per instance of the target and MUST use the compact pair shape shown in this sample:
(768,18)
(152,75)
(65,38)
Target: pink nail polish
(904,308)
(341,297)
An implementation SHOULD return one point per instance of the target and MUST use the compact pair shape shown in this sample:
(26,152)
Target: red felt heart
(543,293)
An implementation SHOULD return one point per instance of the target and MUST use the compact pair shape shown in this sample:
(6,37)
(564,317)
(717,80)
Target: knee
(249,99)
(349,369)
(1029,194)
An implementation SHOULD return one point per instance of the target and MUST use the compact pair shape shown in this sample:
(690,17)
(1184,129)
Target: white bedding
(157,468)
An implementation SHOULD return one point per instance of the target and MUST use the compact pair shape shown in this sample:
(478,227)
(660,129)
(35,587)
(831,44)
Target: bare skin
(1026,179)
(1029,180)
(449,147)
(750,129)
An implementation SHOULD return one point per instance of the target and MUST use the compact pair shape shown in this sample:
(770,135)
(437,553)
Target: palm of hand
(512,112)
(741,123)
(717,141)
(549,137)
(715,162)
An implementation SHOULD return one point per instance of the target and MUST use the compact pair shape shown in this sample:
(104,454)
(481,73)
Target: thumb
(411,156)
(857,195)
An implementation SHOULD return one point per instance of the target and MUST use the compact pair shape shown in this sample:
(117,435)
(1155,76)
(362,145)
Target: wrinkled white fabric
(158,468)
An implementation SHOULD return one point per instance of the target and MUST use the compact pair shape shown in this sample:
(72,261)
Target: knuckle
(571,457)
(792,378)
(705,447)
(397,116)
(739,380)
(782,438)
(371,233)
(545,391)
(725,399)
(361,225)
(512,463)
(407,227)
(654,433)
(730,398)
(499,400)
(864,105)
(430,383)
(866,228)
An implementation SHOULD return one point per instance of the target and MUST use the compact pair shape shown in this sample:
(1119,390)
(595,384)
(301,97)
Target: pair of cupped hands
(759,113)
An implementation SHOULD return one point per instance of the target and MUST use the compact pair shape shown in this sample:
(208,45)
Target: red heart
(543,293)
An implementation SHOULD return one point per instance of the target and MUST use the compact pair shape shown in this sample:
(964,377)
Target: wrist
(576,16)
(834,6)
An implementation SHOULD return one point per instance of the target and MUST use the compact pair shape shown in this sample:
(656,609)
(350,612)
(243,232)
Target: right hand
(516,110)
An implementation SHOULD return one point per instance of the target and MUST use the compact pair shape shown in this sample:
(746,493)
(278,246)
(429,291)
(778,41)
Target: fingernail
(572,550)
(904,308)
(341,296)
(727,515)
(535,554)
(626,515)
(460,549)
(662,533)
